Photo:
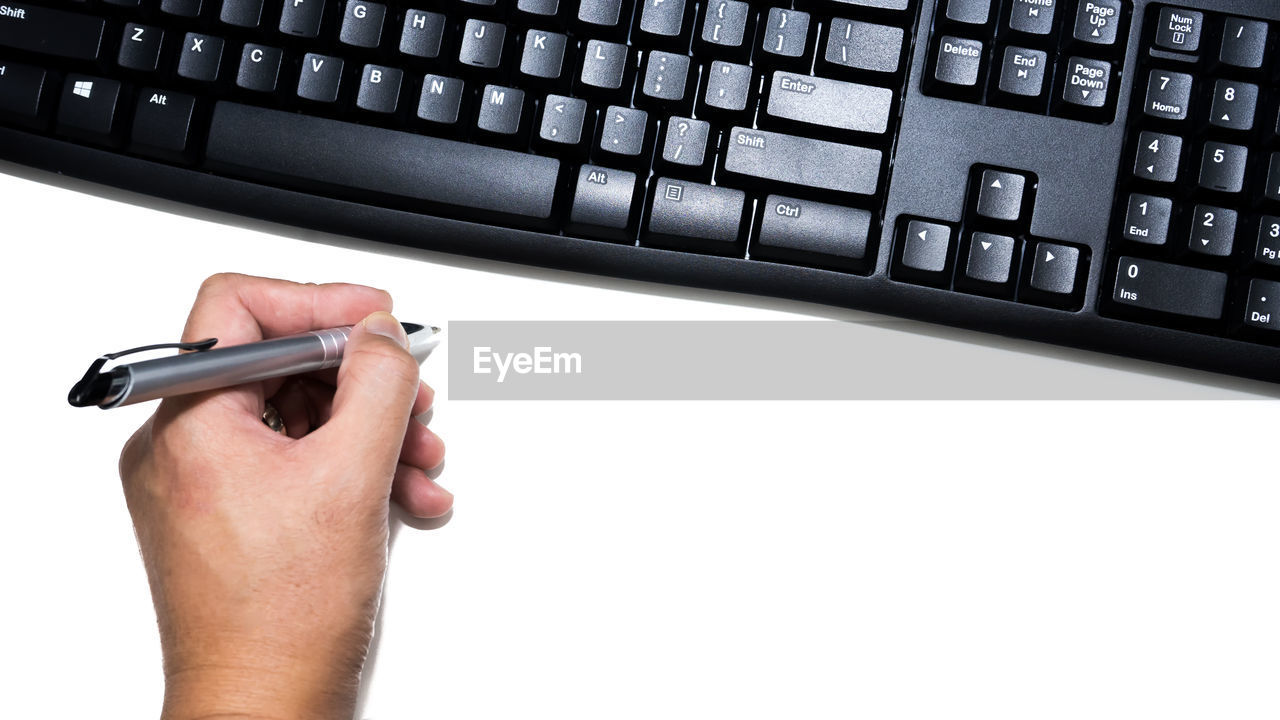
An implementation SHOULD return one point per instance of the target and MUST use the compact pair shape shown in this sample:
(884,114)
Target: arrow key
(1234,105)
(1054,271)
(1000,195)
(990,261)
(1158,157)
(925,252)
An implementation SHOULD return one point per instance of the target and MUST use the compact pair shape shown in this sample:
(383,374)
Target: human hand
(266,551)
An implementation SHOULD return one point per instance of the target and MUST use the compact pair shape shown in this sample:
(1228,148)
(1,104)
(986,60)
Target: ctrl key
(23,92)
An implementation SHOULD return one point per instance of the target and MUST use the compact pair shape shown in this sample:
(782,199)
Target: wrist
(263,687)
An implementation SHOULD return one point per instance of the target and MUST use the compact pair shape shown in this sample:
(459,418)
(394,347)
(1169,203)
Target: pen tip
(435,330)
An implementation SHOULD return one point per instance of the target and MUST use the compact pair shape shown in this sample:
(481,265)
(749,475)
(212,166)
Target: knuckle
(217,282)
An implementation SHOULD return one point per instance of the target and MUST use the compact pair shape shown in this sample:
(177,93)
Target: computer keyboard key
(1054,269)
(1022,72)
(1097,21)
(563,119)
(1244,43)
(51,32)
(1088,82)
(972,12)
(602,203)
(200,58)
(350,160)
(600,13)
(728,86)
(362,24)
(803,161)
(891,5)
(786,33)
(864,46)
(830,103)
(301,18)
(810,232)
(1213,231)
(990,259)
(1267,251)
(162,124)
(1033,17)
(686,142)
(140,47)
(1179,29)
(542,8)
(1168,95)
(1262,309)
(379,89)
(482,44)
(694,216)
(320,78)
(259,68)
(241,13)
(725,24)
(23,92)
(543,54)
(423,34)
(662,18)
(666,75)
(1000,195)
(1167,288)
(1222,167)
(441,99)
(1158,158)
(925,248)
(1234,105)
(604,65)
(87,109)
(1272,191)
(182,8)
(501,110)
(959,62)
(1147,219)
(623,130)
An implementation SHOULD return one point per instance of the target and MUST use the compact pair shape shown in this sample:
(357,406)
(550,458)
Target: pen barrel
(227,367)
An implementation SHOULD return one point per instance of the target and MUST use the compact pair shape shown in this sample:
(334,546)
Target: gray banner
(796,360)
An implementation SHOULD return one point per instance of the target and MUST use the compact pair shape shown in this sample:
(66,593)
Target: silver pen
(206,368)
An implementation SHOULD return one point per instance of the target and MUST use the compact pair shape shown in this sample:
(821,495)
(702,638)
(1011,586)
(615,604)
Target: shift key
(50,32)
(803,161)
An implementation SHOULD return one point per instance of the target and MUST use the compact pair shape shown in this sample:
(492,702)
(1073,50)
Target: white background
(675,560)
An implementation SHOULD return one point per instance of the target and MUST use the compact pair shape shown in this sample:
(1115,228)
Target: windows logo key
(83,88)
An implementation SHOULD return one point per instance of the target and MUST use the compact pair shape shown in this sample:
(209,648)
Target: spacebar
(362,162)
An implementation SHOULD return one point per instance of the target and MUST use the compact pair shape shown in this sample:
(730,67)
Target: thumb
(377,385)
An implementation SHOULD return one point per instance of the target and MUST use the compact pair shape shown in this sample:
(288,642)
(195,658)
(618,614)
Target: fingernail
(381,323)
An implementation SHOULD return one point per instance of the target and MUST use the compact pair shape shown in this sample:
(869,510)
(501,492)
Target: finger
(294,406)
(425,399)
(418,494)
(422,448)
(242,308)
(238,309)
(377,386)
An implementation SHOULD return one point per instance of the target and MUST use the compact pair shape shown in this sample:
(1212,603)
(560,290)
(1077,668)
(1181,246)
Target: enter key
(830,103)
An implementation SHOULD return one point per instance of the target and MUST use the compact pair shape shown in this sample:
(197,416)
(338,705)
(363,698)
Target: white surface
(674,560)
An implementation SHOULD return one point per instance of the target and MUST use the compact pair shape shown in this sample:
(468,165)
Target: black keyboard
(1096,173)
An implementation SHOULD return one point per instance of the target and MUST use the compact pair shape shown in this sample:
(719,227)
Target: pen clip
(90,386)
